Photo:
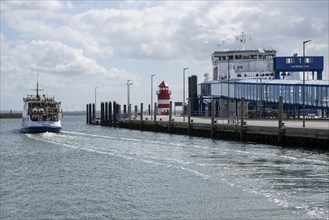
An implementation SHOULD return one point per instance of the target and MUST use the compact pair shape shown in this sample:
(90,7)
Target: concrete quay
(269,131)
(290,133)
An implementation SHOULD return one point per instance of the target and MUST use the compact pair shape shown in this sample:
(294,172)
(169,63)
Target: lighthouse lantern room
(163,98)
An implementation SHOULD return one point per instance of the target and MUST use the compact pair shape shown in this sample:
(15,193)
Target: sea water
(94,172)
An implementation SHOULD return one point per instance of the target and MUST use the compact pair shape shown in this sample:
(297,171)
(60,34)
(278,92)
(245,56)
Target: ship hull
(44,129)
(29,126)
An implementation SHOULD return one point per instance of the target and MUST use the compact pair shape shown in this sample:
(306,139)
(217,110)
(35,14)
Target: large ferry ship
(41,114)
(261,77)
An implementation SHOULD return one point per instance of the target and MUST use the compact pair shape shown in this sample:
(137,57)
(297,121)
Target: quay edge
(295,137)
(278,132)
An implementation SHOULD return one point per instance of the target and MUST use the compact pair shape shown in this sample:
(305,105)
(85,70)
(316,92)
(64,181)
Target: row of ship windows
(292,60)
(245,57)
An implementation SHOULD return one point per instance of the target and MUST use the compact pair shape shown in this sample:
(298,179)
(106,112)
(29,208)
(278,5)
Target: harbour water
(94,172)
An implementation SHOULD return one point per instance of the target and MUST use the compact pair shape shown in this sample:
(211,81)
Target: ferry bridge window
(238,57)
(253,56)
(290,60)
(308,60)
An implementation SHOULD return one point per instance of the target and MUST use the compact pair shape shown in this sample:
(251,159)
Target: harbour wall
(11,114)
(241,129)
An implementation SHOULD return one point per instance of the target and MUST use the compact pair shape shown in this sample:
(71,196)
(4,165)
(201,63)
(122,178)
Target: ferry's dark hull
(40,129)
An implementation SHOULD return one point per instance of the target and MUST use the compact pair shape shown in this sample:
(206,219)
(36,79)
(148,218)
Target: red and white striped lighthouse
(163,98)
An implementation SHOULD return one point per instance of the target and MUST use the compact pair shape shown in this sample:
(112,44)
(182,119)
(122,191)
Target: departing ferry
(41,114)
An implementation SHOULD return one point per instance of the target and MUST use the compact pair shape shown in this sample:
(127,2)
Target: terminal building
(261,78)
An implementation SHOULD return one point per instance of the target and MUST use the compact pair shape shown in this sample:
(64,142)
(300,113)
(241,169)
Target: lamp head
(304,42)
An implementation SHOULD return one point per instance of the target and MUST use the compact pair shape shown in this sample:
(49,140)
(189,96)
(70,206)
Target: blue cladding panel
(291,64)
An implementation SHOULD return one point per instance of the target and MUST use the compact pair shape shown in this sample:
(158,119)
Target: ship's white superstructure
(242,63)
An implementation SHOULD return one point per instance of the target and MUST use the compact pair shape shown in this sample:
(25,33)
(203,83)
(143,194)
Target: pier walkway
(291,123)
(279,131)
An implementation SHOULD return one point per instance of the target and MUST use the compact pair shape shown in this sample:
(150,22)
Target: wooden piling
(106,121)
(280,130)
(189,117)
(87,114)
(114,114)
(129,115)
(212,118)
(94,112)
(110,114)
(242,118)
(125,109)
(102,114)
(90,113)
(141,121)
(170,117)
(155,116)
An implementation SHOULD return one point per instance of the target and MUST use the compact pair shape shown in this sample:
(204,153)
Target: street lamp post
(95,101)
(151,95)
(128,96)
(183,104)
(228,89)
(305,42)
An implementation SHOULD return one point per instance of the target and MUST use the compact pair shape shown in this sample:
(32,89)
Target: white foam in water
(230,166)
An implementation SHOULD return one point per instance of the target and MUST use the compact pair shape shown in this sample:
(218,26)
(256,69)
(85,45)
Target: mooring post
(141,122)
(242,118)
(87,114)
(102,113)
(129,115)
(155,116)
(136,110)
(189,117)
(212,118)
(106,114)
(170,116)
(125,109)
(94,112)
(280,131)
(110,114)
(114,114)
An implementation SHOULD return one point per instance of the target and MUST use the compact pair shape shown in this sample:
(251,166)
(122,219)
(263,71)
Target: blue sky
(76,46)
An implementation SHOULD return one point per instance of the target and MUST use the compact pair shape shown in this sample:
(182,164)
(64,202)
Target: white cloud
(106,42)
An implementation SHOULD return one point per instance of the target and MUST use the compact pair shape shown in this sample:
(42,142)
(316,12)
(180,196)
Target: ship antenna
(37,86)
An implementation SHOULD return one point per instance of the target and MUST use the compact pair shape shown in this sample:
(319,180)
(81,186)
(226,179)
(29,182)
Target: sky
(76,46)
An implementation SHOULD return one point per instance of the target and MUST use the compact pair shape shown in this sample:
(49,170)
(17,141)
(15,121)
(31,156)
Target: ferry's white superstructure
(261,77)
(243,64)
(41,114)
